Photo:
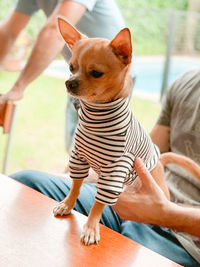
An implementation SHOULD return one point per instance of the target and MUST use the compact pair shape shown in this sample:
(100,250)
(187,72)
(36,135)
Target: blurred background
(166,43)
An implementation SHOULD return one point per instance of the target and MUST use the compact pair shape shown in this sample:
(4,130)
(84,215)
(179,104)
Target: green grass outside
(38,139)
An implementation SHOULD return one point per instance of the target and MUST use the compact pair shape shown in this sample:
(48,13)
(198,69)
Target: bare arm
(9,31)
(48,44)
(149,205)
(160,136)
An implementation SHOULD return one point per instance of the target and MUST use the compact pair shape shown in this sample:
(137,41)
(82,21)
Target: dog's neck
(105,118)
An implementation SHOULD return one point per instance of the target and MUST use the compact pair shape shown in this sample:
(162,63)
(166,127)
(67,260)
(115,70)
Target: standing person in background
(95,18)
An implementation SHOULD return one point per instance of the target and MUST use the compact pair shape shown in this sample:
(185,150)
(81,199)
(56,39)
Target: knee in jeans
(27,177)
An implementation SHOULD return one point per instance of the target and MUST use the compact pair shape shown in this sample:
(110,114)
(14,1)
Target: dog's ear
(69,33)
(121,46)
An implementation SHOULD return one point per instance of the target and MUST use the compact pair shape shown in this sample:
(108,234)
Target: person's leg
(71,120)
(160,240)
(57,188)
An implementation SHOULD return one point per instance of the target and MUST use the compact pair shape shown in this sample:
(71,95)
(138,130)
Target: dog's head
(100,68)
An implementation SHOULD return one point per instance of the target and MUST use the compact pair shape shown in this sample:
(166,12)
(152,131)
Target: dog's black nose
(72,85)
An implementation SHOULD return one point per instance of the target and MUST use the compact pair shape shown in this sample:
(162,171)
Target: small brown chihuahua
(108,137)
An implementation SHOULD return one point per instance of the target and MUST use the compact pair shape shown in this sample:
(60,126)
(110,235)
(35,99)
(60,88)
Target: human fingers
(143,173)
(3,99)
(11,96)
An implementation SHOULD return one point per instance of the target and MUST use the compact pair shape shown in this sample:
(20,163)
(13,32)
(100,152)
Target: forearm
(7,42)
(160,136)
(9,31)
(49,43)
(46,48)
(180,218)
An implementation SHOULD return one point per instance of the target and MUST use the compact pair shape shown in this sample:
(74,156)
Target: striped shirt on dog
(108,138)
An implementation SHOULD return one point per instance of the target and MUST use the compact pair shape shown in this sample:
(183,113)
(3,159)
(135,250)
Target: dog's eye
(71,67)
(96,74)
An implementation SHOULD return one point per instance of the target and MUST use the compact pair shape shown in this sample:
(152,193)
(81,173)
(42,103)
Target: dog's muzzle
(72,85)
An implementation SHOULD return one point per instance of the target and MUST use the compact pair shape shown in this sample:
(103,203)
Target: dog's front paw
(62,209)
(90,235)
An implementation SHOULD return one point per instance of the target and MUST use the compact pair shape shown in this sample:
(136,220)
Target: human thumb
(142,172)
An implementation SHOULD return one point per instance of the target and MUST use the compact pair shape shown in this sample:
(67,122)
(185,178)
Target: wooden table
(31,236)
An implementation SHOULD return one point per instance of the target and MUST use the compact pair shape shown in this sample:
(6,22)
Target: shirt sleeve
(78,167)
(27,7)
(89,4)
(172,96)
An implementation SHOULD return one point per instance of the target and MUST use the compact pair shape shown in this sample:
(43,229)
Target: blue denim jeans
(158,239)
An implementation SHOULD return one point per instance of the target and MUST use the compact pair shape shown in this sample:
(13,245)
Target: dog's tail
(185,162)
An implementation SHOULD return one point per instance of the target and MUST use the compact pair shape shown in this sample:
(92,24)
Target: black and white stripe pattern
(108,139)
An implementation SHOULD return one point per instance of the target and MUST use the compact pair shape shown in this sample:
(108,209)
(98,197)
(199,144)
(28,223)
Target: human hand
(12,95)
(146,205)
